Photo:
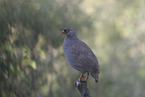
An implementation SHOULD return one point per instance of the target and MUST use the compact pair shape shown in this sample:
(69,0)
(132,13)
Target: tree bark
(82,87)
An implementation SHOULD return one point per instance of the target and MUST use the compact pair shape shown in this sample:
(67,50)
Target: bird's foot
(78,82)
(84,81)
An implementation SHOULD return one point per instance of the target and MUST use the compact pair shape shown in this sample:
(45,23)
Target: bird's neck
(71,38)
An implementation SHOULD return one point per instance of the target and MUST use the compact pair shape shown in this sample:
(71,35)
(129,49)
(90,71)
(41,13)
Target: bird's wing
(86,58)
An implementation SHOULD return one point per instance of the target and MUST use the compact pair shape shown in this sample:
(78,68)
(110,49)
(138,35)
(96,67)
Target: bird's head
(68,32)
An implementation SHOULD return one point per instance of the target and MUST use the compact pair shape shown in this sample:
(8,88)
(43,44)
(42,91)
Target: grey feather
(79,55)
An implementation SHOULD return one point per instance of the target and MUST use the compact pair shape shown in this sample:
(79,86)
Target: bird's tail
(95,76)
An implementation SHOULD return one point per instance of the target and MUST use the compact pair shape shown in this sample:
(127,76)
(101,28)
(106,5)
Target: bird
(80,56)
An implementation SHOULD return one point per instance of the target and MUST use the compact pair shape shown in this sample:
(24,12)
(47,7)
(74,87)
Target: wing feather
(86,57)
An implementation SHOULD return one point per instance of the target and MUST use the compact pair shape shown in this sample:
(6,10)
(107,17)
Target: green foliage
(31,55)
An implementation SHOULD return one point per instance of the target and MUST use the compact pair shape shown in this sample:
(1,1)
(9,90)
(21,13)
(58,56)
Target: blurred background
(32,61)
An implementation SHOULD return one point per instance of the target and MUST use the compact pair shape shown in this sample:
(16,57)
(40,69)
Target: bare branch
(82,87)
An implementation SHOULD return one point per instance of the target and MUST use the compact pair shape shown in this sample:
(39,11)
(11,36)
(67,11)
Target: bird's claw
(79,82)
(84,81)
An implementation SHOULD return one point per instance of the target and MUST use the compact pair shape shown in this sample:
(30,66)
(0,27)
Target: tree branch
(82,89)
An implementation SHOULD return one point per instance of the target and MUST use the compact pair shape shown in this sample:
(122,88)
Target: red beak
(62,32)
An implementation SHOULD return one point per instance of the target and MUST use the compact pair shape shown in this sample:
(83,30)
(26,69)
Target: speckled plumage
(79,55)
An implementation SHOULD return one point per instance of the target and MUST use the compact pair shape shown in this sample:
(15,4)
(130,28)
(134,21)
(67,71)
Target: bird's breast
(71,56)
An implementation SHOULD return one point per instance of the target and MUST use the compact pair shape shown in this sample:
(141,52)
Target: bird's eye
(66,30)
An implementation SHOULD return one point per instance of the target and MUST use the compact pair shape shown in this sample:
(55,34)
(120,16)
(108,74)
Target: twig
(82,89)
